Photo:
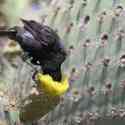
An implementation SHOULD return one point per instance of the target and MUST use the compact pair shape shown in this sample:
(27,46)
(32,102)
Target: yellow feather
(51,87)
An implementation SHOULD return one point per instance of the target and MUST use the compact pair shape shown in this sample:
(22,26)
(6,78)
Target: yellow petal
(54,88)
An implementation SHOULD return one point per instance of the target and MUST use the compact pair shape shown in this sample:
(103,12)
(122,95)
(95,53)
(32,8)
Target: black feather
(41,43)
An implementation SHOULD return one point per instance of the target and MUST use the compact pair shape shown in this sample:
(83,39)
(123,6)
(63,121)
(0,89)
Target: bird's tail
(10,33)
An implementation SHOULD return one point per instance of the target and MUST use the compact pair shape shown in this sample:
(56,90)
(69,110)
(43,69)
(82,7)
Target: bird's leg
(27,59)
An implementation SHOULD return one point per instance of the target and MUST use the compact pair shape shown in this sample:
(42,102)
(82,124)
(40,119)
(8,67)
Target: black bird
(42,44)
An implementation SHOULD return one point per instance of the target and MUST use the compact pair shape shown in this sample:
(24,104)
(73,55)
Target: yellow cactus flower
(51,87)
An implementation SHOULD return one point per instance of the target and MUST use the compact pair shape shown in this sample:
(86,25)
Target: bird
(42,45)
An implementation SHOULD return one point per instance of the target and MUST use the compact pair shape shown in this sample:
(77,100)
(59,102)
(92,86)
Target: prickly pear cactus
(11,10)
(93,32)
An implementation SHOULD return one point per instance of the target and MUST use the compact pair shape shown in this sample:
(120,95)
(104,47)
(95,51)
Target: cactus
(93,33)
(11,10)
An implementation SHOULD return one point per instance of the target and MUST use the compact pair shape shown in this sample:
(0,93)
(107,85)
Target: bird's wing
(43,34)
